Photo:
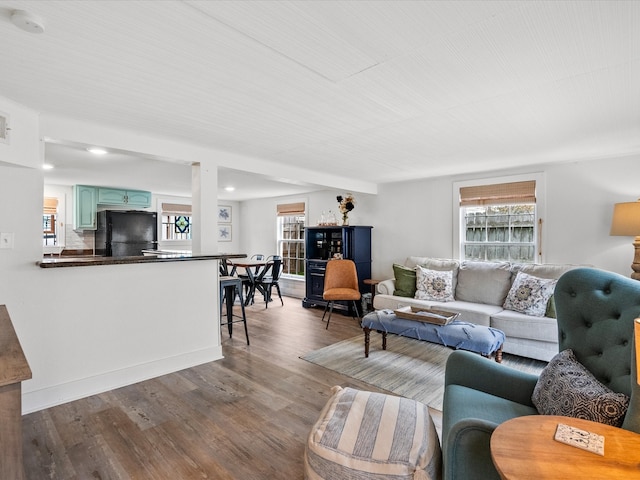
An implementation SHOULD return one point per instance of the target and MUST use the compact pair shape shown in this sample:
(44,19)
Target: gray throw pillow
(567,388)
(483,282)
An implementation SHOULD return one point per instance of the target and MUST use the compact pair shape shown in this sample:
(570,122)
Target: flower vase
(345,219)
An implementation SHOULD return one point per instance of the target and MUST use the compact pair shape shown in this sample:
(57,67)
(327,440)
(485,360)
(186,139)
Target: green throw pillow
(551,308)
(405,281)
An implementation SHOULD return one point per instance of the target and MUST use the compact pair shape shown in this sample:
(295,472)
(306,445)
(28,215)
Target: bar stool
(229,287)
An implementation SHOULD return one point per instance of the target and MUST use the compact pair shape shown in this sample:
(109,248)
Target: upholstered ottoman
(459,335)
(364,435)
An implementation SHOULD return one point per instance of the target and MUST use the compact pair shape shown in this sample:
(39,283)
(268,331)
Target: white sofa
(480,290)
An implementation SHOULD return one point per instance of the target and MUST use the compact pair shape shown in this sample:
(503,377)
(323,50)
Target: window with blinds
(498,222)
(291,221)
(176,221)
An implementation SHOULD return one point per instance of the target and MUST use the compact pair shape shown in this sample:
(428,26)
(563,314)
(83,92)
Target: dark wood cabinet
(321,244)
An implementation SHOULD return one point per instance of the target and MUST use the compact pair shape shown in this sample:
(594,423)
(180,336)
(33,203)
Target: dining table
(252,268)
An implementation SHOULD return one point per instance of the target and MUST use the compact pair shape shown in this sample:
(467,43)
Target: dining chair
(269,278)
(248,277)
(227,269)
(340,284)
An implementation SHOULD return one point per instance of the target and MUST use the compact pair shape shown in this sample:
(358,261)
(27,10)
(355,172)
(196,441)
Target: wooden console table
(13,370)
(524,448)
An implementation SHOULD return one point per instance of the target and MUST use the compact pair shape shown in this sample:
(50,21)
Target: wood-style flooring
(246,416)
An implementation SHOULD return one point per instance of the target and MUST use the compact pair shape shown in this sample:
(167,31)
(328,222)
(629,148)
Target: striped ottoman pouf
(364,435)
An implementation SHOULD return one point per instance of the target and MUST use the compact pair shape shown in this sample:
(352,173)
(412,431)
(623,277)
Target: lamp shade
(626,219)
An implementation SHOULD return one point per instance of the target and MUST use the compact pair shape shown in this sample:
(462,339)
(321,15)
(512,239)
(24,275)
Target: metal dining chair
(269,278)
(248,278)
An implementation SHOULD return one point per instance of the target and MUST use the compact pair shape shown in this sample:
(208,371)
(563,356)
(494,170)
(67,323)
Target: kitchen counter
(160,257)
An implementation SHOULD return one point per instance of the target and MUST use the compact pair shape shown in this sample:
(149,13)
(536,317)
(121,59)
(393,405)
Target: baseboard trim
(33,401)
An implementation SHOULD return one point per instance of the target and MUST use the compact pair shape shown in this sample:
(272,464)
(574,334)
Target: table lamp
(626,222)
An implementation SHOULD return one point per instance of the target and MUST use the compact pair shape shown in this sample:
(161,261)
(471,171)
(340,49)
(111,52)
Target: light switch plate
(6,240)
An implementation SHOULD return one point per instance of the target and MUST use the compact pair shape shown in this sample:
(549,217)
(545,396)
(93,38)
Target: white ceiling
(378,90)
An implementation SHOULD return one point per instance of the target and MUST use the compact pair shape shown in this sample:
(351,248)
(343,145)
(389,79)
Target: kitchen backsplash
(78,240)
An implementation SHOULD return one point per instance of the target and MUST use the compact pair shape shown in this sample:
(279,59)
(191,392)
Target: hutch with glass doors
(322,244)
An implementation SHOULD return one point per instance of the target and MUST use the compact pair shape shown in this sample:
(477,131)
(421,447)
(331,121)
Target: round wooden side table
(373,283)
(524,448)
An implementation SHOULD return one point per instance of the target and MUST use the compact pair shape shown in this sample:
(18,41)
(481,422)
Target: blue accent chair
(595,312)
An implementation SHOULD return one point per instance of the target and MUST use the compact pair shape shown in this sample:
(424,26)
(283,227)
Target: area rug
(409,367)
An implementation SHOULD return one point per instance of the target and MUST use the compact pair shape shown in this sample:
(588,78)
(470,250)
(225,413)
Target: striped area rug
(409,367)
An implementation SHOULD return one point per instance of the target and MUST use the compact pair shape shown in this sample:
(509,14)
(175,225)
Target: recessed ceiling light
(97,150)
(229,188)
(47,166)
(27,21)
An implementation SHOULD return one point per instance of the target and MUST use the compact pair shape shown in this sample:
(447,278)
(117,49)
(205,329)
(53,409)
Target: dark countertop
(56,262)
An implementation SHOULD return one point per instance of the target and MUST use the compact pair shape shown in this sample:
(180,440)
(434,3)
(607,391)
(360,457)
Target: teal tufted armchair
(595,312)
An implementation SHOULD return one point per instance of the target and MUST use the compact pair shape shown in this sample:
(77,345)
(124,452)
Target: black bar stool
(229,287)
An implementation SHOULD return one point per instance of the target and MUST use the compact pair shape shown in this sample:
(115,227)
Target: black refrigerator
(123,233)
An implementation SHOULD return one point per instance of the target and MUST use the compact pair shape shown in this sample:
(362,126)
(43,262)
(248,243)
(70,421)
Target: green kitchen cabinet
(84,213)
(114,196)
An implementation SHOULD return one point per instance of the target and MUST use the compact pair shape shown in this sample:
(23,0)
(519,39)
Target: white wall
(579,205)
(233,246)
(90,329)
(416,217)
(258,216)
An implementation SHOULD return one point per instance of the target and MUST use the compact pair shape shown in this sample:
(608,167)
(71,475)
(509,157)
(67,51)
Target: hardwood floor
(246,416)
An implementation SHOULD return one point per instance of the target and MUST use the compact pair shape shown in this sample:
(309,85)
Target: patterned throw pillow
(405,281)
(567,388)
(530,294)
(434,285)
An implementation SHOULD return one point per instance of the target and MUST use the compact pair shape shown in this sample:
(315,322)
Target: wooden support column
(14,369)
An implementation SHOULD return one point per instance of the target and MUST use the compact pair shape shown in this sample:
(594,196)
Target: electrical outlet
(6,240)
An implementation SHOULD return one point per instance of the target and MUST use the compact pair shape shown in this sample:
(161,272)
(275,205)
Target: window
(49,212)
(291,220)
(176,221)
(498,222)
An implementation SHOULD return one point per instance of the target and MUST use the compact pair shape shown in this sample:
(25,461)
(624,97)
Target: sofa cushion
(405,277)
(483,282)
(542,270)
(520,325)
(433,285)
(567,388)
(440,264)
(529,294)
(477,313)
(392,302)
